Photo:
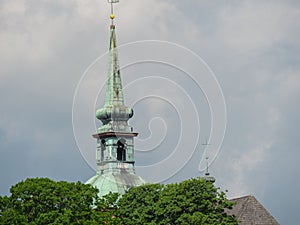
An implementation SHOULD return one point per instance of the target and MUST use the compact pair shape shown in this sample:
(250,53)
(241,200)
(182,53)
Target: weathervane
(112,15)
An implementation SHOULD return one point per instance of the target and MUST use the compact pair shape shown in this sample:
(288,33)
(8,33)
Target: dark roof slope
(250,212)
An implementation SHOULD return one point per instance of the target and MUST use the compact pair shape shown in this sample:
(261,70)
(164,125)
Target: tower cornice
(114,134)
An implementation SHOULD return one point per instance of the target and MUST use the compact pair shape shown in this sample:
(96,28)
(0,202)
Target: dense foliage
(190,202)
(39,201)
(43,201)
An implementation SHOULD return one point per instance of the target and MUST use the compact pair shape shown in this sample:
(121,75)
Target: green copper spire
(115,138)
(114,114)
(114,93)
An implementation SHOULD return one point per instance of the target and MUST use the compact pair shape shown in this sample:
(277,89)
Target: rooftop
(249,211)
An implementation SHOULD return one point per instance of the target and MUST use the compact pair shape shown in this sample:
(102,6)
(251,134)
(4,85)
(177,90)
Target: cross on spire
(206,142)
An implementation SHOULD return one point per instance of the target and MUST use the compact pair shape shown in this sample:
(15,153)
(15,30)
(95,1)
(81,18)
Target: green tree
(43,201)
(190,202)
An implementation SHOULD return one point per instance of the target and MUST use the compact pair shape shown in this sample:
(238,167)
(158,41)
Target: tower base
(119,182)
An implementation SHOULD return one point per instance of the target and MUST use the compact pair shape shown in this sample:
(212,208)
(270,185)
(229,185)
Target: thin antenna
(207,177)
(206,144)
(207,173)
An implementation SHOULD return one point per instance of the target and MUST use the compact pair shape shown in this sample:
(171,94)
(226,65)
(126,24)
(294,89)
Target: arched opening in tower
(103,148)
(121,150)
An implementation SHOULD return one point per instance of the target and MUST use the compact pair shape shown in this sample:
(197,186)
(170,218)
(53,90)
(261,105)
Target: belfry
(115,138)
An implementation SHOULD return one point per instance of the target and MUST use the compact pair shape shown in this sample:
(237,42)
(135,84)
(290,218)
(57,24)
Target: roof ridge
(246,196)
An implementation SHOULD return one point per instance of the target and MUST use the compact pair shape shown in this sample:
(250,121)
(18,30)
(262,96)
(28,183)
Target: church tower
(115,138)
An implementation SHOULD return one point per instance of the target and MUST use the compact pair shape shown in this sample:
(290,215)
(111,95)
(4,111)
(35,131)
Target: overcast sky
(251,47)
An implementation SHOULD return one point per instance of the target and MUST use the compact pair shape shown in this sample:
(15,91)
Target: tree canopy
(39,201)
(43,201)
(191,202)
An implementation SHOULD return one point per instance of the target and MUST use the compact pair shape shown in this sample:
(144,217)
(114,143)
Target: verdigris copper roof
(249,211)
(117,182)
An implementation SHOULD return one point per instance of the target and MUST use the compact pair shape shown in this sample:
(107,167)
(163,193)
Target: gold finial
(112,15)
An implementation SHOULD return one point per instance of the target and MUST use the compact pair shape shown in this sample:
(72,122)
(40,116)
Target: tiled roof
(250,212)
